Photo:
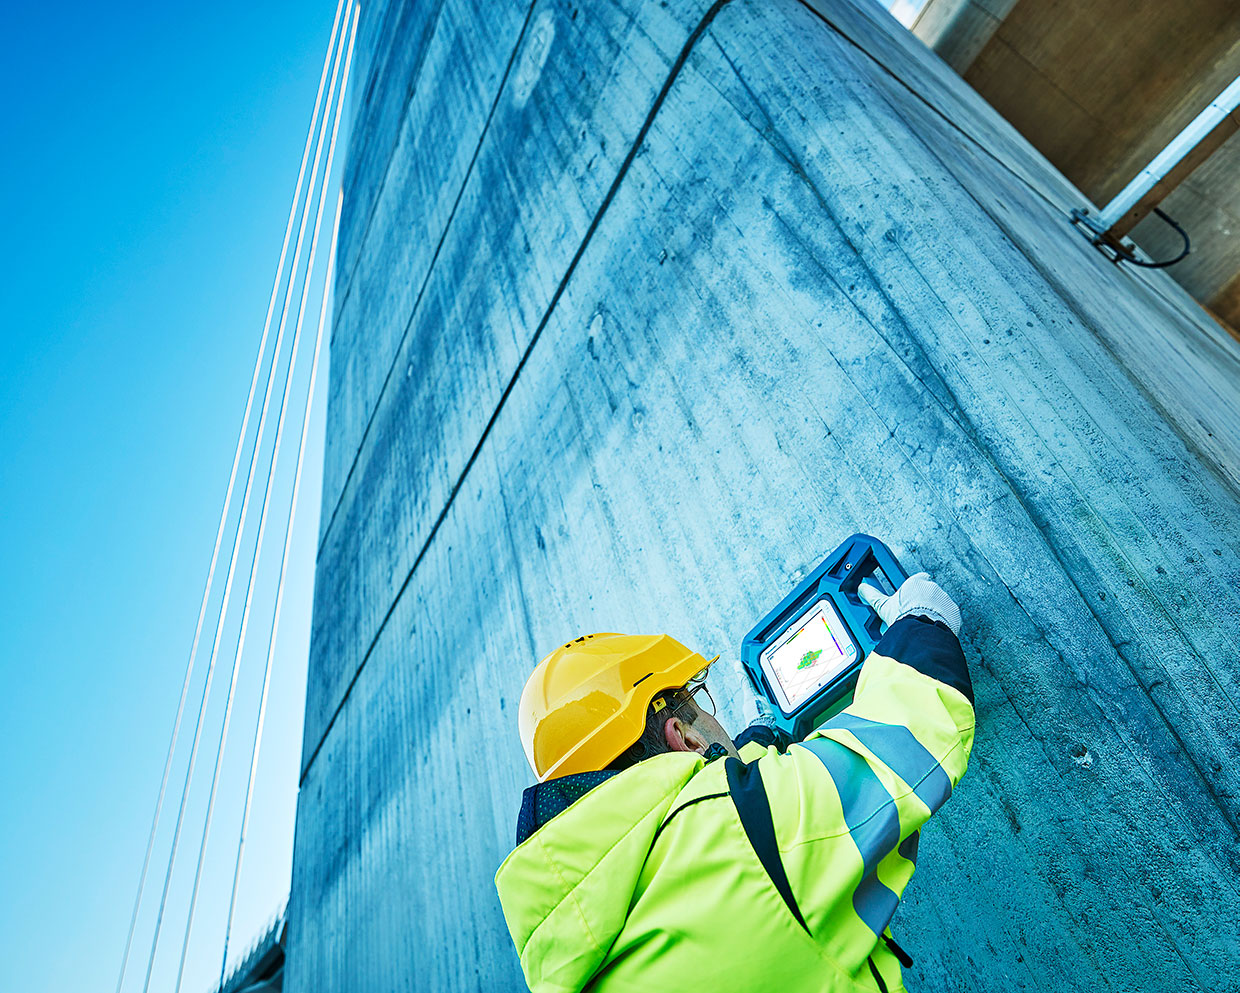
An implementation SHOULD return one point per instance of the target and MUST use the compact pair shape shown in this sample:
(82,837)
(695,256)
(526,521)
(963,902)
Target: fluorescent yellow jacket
(780,872)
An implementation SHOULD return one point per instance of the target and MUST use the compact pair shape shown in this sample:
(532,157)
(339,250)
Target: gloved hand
(918,596)
(761,726)
(755,710)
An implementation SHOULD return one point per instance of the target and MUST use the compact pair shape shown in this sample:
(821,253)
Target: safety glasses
(695,689)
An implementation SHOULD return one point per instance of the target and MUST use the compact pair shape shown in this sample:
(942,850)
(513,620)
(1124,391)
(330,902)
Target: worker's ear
(681,737)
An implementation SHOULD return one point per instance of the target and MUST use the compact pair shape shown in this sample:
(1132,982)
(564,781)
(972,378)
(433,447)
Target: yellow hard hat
(585,703)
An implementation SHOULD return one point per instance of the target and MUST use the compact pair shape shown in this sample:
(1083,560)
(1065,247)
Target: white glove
(918,596)
(755,710)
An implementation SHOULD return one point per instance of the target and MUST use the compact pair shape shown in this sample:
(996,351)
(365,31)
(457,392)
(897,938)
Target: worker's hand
(755,710)
(918,596)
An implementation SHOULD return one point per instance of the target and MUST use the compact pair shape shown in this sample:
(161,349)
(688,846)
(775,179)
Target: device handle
(865,558)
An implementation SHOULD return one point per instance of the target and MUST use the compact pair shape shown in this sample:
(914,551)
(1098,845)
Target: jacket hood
(567,888)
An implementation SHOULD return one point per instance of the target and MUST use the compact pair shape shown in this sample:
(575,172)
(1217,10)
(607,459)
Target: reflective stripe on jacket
(779,872)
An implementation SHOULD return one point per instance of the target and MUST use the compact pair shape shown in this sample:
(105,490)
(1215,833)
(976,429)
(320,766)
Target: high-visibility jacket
(779,872)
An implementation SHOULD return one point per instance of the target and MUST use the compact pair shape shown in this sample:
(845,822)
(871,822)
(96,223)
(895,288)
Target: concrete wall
(586,377)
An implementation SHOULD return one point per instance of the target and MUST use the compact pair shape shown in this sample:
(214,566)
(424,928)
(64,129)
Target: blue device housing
(836,579)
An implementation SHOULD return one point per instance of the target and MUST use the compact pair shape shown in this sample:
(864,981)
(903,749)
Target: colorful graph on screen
(810,654)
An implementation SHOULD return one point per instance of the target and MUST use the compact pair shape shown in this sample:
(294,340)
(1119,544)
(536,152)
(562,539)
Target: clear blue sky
(149,154)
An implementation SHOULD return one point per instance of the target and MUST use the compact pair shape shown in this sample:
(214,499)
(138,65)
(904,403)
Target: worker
(656,853)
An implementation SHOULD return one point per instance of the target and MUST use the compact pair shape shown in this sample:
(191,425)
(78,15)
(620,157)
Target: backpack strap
(754,808)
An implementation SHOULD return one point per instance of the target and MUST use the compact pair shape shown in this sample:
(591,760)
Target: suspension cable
(271,472)
(257,743)
(228,493)
(237,540)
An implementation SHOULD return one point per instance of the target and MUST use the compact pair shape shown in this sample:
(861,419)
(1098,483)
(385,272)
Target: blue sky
(150,152)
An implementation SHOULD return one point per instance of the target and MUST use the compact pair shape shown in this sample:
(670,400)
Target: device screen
(808,655)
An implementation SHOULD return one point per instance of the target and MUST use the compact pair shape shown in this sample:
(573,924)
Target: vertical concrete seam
(387,166)
(430,269)
(674,72)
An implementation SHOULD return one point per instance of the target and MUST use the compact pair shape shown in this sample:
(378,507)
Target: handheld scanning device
(805,655)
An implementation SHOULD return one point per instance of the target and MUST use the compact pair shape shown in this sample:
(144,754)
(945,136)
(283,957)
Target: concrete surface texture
(592,375)
(1101,88)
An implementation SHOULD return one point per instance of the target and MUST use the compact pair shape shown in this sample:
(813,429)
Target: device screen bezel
(852,652)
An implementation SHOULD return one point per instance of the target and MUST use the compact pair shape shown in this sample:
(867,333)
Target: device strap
(878,976)
(754,808)
(904,957)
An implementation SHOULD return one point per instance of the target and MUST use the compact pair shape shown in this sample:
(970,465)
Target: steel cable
(335,49)
(228,492)
(343,78)
(257,743)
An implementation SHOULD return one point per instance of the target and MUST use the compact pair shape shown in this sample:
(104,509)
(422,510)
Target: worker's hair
(653,742)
